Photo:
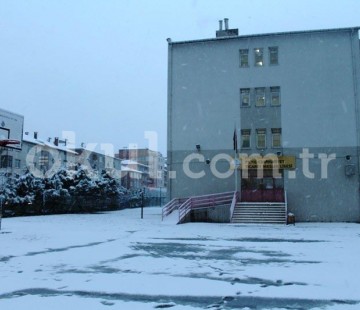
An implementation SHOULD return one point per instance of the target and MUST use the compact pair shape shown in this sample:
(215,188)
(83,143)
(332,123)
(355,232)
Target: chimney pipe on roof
(226,21)
(220,25)
(35,135)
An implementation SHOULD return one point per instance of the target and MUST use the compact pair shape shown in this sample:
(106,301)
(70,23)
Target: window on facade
(245,97)
(276,137)
(261,138)
(245,138)
(244,58)
(4,133)
(275,95)
(273,56)
(6,161)
(259,57)
(260,97)
(17,163)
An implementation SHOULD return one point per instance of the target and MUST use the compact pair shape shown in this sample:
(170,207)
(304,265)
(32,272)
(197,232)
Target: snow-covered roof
(127,169)
(81,149)
(131,162)
(41,142)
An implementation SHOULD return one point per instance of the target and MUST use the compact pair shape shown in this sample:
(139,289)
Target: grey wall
(318,74)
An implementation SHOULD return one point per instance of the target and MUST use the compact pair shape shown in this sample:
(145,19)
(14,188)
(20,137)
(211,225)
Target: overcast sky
(99,67)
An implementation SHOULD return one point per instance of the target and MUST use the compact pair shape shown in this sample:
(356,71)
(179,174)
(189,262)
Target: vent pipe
(226,21)
(35,135)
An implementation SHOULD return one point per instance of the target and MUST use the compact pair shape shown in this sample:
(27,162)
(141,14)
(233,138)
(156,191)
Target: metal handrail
(286,206)
(233,204)
(203,201)
(170,207)
(184,209)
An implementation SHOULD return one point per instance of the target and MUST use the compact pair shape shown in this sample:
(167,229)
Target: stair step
(260,213)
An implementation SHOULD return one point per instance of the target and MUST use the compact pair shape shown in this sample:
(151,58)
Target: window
(259,59)
(273,56)
(244,58)
(6,161)
(17,163)
(245,97)
(4,133)
(275,95)
(276,137)
(245,138)
(261,138)
(260,97)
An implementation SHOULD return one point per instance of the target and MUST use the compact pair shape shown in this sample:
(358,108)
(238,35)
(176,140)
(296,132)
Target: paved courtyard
(118,261)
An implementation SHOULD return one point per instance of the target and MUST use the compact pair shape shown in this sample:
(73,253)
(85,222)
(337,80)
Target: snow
(118,260)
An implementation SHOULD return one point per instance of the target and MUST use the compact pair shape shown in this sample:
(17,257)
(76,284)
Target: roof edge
(355,28)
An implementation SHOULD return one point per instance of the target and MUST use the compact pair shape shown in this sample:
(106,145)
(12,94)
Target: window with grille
(273,55)
(261,138)
(260,97)
(244,58)
(276,137)
(245,97)
(245,138)
(275,96)
(6,161)
(259,57)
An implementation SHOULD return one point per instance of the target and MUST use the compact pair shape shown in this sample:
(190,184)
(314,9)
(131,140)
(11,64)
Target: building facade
(288,102)
(44,157)
(155,175)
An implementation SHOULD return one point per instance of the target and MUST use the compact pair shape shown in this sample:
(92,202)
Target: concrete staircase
(259,213)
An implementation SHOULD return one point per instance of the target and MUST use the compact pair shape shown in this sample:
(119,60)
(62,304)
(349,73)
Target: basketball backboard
(11,127)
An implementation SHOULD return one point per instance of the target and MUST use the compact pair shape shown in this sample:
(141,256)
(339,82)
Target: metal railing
(286,206)
(233,204)
(171,206)
(202,202)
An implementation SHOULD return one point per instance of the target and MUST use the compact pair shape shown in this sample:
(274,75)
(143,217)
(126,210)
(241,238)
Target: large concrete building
(294,95)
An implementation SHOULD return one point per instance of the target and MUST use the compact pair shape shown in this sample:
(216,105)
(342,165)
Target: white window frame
(275,91)
(259,57)
(260,92)
(261,132)
(276,132)
(244,53)
(245,92)
(273,49)
(245,136)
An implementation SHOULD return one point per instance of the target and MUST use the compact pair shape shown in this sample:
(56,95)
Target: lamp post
(142,203)
(1,197)
(160,198)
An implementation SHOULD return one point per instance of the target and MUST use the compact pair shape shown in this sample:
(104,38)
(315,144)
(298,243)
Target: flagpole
(236,172)
(235,158)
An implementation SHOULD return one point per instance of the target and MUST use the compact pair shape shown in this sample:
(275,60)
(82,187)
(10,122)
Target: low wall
(218,214)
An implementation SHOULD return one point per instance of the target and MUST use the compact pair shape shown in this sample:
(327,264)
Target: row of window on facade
(261,96)
(273,57)
(260,138)
(7,162)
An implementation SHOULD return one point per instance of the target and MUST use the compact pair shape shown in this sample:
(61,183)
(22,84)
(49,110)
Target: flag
(235,141)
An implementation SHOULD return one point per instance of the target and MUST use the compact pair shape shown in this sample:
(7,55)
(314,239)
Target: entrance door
(265,187)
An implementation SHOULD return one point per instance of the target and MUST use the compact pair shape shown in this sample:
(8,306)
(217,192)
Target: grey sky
(99,67)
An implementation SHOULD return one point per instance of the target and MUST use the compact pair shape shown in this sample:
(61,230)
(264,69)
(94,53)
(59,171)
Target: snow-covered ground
(118,261)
